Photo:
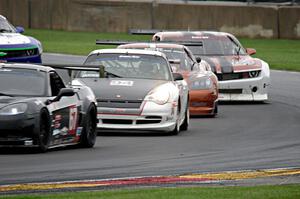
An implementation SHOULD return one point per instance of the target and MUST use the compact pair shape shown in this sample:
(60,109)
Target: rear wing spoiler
(174,61)
(71,68)
(121,42)
(144,31)
(154,31)
(115,42)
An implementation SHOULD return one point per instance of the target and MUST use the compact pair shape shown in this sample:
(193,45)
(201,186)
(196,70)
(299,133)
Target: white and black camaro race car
(136,90)
(38,110)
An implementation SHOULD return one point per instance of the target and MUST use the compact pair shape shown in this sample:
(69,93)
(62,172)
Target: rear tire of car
(89,134)
(42,136)
(186,122)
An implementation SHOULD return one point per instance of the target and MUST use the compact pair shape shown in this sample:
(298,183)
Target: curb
(152,180)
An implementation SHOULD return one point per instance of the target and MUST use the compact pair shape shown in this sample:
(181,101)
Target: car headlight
(201,84)
(40,47)
(159,96)
(13,109)
(254,73)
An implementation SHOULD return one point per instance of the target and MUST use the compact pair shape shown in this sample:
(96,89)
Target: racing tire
(186,122)
(42,134)
(89,134)
(176,130)
(215,111)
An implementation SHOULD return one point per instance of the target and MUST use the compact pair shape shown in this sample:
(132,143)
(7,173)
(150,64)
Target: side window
(189,58)
(56,83)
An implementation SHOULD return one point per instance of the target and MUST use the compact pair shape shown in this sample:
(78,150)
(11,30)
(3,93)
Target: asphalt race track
(243,136)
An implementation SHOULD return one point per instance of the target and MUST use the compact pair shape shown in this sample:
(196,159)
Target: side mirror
(20,29)
(64,92)
(198,59)
(174,61)
(250,51)
(196,67)
(177,76)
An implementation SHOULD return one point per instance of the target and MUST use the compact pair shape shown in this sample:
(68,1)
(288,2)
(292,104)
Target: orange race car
(241,77)
(203,83)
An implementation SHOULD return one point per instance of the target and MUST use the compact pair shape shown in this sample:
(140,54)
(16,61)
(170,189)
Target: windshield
(177,54)
(22,82)
(216,45)
(5,26)
(128,66)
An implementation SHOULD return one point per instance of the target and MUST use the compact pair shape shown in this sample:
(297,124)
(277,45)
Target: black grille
(148,121)
(229,76)
(233,76)
(116,121)
(199,104)
(119,103)
(231,91)
(19,53)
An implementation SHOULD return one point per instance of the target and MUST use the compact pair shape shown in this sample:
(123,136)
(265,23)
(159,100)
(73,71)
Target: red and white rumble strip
(153,180)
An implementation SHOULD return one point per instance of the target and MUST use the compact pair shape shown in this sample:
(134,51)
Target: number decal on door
(73,119)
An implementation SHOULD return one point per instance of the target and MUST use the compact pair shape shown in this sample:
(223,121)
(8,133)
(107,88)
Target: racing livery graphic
(241,77)
(15,47)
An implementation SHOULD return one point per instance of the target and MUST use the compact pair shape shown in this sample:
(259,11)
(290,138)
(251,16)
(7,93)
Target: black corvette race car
(38,110)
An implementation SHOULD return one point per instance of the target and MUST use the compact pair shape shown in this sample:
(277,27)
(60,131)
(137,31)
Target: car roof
(2,17)
(152,45)
(190,34)
(128,51)
(26,66)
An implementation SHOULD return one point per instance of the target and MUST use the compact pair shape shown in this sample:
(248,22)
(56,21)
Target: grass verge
(257,192)
(280,54)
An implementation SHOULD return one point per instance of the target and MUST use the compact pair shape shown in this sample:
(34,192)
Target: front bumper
(16,130)
(202,102)
(149,117)
(30,59)
(252,89)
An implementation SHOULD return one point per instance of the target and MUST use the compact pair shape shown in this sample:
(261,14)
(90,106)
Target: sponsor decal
(2,54)
(129,56)
(38,102)
(55,132)
(78,131)
(5,70)
(200,37)
(57,121)
(120,110)
(64,131)
(121,83)
(28,143)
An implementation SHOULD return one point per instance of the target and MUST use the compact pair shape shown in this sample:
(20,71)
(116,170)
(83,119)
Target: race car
(15,47)
(38,110)
(241,77)
(203,84)
(136,90)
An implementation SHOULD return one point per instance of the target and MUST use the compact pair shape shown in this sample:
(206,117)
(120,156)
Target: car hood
(13,38)
(192,74)
(5,100)
(230,64)
(120,89)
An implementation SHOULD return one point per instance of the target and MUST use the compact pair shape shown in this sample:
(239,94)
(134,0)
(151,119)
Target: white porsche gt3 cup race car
(136,90)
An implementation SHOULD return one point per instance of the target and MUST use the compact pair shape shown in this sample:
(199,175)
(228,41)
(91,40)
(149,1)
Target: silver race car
(136,90)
